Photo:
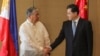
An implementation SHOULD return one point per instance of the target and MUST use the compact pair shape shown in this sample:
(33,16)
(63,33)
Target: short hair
(73,7)
(30,10)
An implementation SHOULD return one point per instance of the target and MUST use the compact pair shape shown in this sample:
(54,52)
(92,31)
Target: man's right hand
(46,51)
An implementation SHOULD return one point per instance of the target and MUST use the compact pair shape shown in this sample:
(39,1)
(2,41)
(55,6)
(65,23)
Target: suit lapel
(70,28)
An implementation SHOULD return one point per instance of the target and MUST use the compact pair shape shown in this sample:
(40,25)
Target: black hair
(73,7)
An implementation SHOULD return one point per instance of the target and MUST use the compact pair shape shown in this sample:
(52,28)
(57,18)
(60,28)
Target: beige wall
(94,16)
(22,6)
(53,13)
(0,4)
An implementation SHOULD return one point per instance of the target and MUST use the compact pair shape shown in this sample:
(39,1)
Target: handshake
(46,51)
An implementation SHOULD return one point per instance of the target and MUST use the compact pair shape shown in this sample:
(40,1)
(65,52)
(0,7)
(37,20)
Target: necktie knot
(74,23)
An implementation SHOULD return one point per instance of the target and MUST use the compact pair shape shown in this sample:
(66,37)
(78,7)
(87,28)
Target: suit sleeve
(59,39)
(89,34)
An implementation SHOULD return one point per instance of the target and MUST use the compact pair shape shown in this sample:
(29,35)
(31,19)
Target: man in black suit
(77,32)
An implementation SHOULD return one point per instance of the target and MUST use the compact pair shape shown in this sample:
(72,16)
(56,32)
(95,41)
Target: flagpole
(33,3)
(88,8)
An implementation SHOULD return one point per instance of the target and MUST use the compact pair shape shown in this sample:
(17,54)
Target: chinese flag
(82,4)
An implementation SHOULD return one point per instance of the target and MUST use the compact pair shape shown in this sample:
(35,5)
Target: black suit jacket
(79,45)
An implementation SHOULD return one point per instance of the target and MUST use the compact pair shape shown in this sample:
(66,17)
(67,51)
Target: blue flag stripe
(13,24)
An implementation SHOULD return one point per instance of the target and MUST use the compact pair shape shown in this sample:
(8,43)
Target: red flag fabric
(82,4)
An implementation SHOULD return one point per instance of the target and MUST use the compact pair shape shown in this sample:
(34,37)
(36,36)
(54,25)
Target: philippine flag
(8,29)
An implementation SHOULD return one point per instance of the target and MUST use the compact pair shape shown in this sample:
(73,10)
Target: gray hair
(30,10)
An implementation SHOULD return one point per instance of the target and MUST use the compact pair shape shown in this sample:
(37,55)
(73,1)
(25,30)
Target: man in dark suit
(77,32)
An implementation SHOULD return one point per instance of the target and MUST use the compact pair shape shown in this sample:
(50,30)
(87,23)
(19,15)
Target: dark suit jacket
(79,45)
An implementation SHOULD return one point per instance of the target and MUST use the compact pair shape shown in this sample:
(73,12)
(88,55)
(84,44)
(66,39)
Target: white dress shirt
(33,39)
(76,21)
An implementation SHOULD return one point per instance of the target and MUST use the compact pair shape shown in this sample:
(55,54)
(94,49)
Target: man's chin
(36,20)
(69,19)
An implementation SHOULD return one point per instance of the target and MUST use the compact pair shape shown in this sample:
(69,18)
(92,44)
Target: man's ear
(30,16)
(75,13)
